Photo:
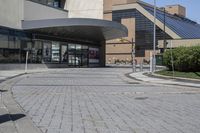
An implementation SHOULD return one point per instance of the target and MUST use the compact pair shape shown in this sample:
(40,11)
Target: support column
(103,54)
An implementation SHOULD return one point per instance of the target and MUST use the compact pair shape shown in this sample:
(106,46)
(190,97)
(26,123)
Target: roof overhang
(78,28)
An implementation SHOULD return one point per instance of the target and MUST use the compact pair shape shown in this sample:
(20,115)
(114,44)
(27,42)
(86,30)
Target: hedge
(186,59)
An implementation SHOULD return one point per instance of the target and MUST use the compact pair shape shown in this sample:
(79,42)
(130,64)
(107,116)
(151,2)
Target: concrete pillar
(103,54)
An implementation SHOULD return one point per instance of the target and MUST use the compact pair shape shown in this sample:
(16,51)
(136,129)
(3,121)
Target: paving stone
(99,100)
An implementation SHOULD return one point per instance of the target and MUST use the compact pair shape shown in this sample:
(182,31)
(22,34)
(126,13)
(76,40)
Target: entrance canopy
(78,28)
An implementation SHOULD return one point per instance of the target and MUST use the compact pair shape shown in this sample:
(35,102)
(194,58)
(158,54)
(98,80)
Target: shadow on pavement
(10,117)
(3,91)
(197,74)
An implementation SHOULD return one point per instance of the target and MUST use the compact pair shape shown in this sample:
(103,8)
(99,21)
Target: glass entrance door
(84,59)
(64,54)
(72,60)
(26,46)
(77,56)
(78,60)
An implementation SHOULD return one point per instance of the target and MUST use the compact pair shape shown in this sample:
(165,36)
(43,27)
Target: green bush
(186,59)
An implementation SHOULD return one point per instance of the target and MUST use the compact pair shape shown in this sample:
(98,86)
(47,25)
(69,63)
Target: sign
(94,55)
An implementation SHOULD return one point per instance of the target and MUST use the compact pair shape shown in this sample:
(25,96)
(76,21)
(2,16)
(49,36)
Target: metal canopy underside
(78,28)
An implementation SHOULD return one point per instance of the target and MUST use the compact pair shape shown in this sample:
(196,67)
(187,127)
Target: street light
(133,52)
(164,36)
(133,56)
(154,40)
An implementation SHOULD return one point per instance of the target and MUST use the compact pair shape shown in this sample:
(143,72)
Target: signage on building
(94,55)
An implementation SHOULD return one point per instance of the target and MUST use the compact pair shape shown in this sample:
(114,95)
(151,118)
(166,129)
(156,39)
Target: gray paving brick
(98,101)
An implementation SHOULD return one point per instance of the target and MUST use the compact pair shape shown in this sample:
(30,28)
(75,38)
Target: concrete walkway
(95,100)
(13,119)
(100,100)
(140,76)
(6,74)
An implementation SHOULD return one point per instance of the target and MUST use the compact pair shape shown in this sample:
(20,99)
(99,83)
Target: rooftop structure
(176,10)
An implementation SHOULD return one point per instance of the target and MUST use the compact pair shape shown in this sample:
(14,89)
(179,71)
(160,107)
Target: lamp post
(154,41)
(164,36)
(133,56)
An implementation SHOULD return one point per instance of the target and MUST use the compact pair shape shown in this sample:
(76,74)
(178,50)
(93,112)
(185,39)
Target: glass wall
(37,52)
(143,29)
(53,3)
(4,45)
(64,53)
(55,55)
(14,45)
(46,52)
(78,55)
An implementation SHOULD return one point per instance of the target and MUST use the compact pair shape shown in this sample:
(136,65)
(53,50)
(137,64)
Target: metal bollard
(151,64)
(26,65)
(141,66)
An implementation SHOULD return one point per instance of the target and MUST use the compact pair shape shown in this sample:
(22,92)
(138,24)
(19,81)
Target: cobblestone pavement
(99,101)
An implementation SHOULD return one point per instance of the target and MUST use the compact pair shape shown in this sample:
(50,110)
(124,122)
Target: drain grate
(134,83)
(141,98)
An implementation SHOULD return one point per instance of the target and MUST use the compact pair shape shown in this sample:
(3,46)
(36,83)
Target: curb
(128,75)
(19,121)
(175,78)
(166,78)
(128,79)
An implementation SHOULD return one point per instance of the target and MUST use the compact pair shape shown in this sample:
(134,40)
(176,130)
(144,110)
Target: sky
(192,7)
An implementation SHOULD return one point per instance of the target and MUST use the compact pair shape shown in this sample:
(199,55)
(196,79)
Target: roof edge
(110,29)
(147,15)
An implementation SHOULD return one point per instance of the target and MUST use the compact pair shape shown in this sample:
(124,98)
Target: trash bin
(159,60)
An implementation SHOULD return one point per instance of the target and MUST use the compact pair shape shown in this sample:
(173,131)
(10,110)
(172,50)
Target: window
(3,38)
(64,53)
(55,56)
(53,3)
(47,51)
(36,52)
(143,29)
(9,47)
(72,46)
